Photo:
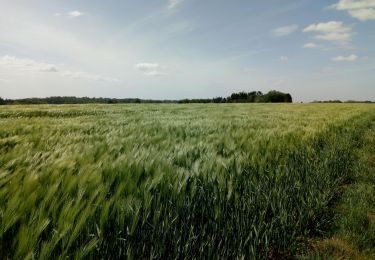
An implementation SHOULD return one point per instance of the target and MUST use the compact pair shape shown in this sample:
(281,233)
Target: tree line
(247,97)
(76,100)
(240,97)
(339,101)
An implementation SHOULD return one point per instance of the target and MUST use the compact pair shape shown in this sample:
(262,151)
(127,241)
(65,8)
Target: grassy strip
(353,236)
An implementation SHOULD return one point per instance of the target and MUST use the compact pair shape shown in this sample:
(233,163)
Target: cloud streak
(75,14)
(27,64)
(150,69)
(32,66)
(284,59)
(173,4)
(352,57)
(284,31)
(331,31)
(310,45)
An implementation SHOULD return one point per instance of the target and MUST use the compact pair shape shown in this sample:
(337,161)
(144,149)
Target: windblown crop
(171,181)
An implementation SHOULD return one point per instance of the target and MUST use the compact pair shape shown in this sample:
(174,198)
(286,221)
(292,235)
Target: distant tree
(277,97)
(112,101)
(2,101)
(259,97)
(218,100)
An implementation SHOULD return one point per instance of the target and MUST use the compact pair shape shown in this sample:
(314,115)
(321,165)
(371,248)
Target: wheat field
(172,181)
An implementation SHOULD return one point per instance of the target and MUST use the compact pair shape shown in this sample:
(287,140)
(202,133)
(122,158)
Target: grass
(353,233)
(172,181)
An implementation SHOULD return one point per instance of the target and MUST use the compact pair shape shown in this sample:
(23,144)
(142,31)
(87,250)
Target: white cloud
(363,14)
(331,31)
(286,30)
(353,4)
(361,9)
(310,45)
(75,13)
(155,73)
(88,76)
(284,59)
(172,4)
(72,14)
(28,65)
(150,69)
(346,58)
(147,66)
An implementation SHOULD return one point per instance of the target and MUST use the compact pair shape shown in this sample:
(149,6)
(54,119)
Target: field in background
(181,181)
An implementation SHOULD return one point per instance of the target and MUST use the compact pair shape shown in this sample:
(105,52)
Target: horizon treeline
(247,97)
(240,97)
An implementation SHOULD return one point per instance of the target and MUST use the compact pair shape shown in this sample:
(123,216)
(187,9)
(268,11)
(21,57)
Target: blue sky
(172,49)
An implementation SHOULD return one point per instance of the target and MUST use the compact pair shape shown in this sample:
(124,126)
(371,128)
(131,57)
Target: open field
(172,181)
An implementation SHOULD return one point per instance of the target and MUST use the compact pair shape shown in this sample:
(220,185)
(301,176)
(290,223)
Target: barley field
(168,181)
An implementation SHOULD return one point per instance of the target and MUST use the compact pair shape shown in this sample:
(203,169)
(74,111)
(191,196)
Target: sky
(174,49)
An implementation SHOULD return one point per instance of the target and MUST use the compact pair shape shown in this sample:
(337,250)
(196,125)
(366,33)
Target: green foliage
(276,97)
(171,181)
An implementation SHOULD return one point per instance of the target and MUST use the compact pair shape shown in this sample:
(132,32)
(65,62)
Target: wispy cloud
(331,31)
(172,4)
(88,76)
(155,73)
(310,45)
(26,64)
(284,59)
(72,14)
(352,57)
(32,66)
(75,14)
(362,10)
(147,66)
(285,30)
(150,69)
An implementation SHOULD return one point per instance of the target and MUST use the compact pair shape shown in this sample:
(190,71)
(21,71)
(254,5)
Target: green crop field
(173,181)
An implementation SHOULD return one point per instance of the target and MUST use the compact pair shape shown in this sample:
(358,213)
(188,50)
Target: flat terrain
(176,181)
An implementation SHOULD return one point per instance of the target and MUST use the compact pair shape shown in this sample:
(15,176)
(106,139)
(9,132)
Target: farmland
(172,181)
